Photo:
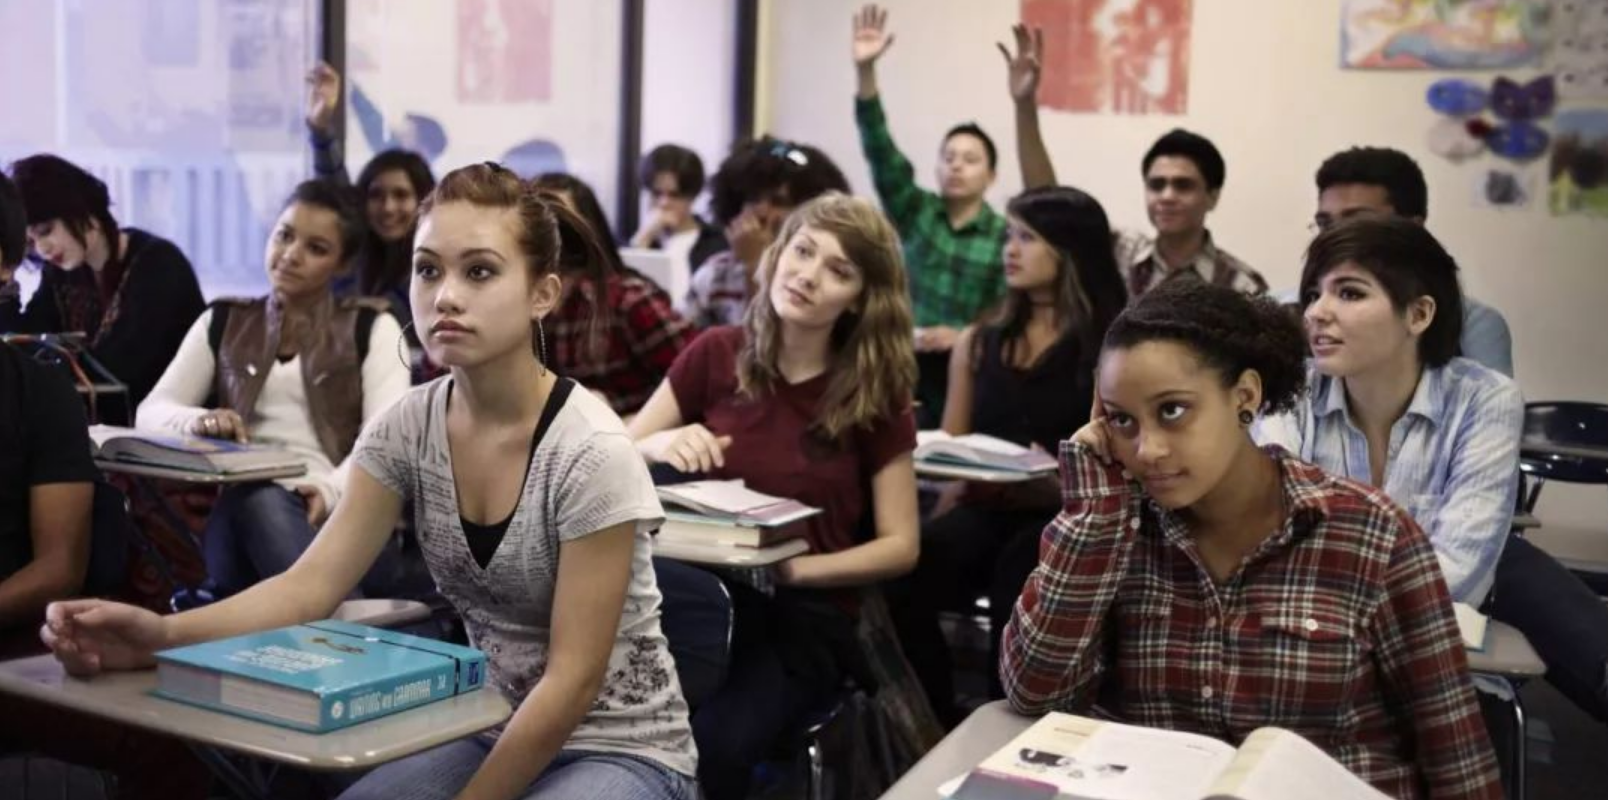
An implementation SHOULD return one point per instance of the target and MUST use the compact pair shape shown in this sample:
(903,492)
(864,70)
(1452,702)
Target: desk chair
(1563,441)
(1509,658)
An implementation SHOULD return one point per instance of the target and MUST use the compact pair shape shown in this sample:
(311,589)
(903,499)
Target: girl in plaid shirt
(1195,582)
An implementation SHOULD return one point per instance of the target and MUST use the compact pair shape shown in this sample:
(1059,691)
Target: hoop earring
(401,345)
(1246,417)
(541,346)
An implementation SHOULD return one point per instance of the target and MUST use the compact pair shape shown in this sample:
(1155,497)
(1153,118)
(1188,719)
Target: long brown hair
(873,359)
(546,224)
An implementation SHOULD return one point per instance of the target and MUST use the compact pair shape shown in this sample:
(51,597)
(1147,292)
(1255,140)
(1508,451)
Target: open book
(979,450)
(731,501)
(188,453)
(1075,758)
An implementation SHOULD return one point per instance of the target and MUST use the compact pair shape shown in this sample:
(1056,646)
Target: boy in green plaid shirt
(952,239)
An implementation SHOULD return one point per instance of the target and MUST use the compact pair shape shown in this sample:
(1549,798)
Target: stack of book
(320,676)
(976,456)
(728,514)
(191,453)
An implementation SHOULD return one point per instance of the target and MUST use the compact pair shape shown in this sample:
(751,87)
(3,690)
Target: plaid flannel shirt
(638,336)
(955,273)
(1337,627)
(1142,268)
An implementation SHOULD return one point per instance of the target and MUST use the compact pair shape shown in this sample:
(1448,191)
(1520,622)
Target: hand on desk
(220,424)
(91,636)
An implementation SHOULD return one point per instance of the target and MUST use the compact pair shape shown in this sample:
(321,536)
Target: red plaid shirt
(638,334)
(1338,627)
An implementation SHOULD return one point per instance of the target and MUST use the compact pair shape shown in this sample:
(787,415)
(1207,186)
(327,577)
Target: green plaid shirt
(955,273)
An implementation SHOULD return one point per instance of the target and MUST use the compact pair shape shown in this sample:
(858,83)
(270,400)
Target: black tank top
(1043,404)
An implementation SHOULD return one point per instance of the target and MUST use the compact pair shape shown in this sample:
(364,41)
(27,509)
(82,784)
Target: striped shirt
(1453,461)
(1142,267)
(955,273)
(1337,627)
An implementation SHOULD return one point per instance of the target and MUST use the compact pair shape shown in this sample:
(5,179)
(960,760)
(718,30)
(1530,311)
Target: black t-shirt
(43,439)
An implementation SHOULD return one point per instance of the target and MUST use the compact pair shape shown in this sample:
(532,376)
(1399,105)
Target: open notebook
(1067,757)
(188,453)
(980,450)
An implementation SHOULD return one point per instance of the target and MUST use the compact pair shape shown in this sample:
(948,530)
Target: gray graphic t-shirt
(585,476)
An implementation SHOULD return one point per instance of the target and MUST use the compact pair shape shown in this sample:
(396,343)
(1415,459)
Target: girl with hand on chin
(1195,582)
(809,399)
(298,369)
(533,512)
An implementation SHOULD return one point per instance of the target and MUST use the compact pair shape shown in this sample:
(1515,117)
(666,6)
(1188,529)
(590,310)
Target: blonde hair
(873,360)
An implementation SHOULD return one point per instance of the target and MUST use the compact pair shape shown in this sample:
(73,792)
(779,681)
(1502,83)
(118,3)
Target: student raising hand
(92,636)
(871,36)
(1023,68)
(323,97)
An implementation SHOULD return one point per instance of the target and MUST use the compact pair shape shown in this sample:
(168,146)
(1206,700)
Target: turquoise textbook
(318,677)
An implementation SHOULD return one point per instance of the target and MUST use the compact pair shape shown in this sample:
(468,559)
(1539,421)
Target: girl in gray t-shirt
(532,509)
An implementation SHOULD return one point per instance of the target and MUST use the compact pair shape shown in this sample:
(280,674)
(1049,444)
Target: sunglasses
(1159,184)
(789,152)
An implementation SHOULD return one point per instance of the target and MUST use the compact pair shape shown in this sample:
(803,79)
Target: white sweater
(281,416)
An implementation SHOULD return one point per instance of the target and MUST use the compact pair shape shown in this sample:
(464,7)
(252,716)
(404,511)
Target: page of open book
(1092,760)
(728,496)
(1276,764)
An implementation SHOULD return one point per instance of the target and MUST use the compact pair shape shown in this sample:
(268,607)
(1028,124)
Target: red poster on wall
(504,51)
(1124,56)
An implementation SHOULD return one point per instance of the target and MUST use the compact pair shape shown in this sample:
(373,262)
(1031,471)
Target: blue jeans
(257,530)
(441,773)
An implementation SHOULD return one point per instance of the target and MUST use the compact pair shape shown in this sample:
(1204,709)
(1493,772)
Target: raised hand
(323,97)
(1023,68)
(871,37)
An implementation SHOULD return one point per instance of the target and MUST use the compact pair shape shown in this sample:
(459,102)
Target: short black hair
(761,165)
(343,202)
(53,188)
(1392,170)
(678,161)
(1193,146)
(1228,331)
(972,129)
(13,224)
(1408,261)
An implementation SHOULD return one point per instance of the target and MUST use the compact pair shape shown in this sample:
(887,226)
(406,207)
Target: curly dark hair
(1228,331)
(767,164)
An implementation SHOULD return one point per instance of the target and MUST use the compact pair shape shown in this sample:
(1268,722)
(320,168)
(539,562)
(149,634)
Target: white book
(1472,624)
(187,453)
(732,501)
(981,450)
(1069,757)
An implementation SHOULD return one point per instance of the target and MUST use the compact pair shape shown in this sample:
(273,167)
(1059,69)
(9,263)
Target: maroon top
(773,449)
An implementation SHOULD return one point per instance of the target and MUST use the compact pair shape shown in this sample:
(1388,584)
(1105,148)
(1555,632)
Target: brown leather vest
(332,370)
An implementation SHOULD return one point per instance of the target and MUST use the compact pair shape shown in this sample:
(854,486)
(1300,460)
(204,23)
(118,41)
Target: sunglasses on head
(787,151)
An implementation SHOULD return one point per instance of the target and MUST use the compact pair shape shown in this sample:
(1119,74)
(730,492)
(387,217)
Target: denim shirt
(1453,461)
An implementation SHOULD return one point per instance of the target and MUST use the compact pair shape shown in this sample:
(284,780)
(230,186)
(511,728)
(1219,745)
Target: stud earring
(1246,417)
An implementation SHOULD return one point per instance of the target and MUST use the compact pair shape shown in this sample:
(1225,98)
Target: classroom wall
(688,56)
(1266,87)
